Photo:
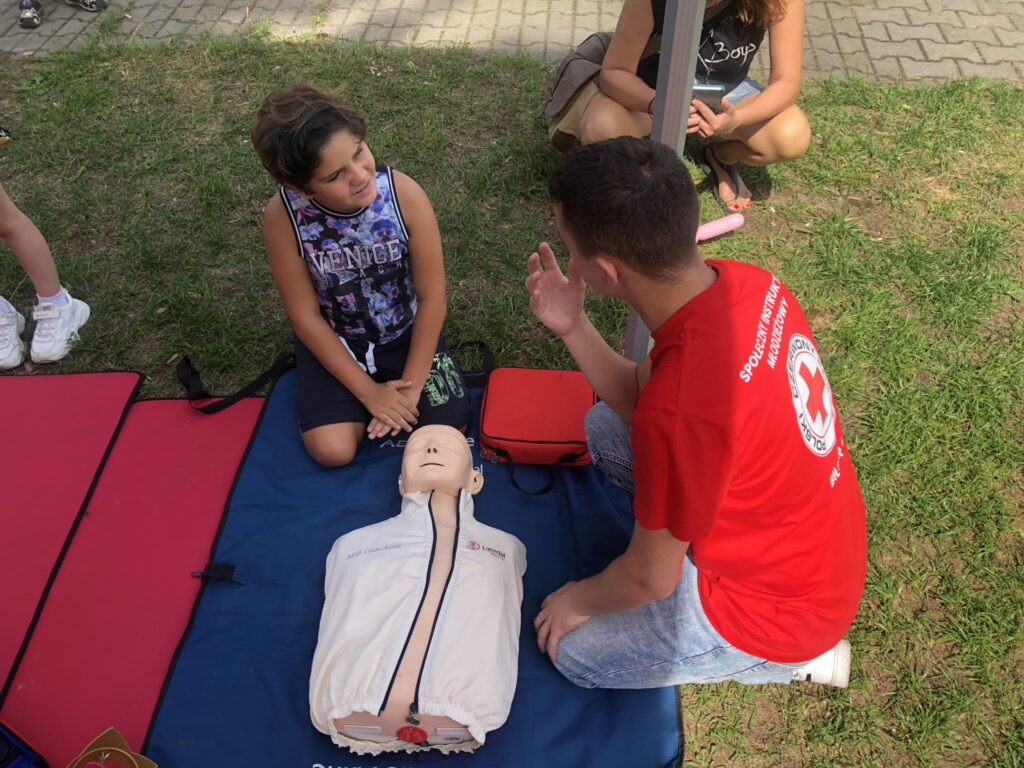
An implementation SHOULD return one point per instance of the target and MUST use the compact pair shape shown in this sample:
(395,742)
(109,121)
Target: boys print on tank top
(727,47)
(359,263)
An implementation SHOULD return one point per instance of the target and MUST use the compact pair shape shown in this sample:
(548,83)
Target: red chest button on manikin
(412,734)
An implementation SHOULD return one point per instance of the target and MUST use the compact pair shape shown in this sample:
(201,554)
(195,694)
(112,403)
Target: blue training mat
(238,693)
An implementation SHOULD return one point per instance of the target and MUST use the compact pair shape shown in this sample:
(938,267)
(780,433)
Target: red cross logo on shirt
(812,399)
(815,389)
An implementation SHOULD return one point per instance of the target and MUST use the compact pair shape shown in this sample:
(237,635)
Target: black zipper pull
(413,711)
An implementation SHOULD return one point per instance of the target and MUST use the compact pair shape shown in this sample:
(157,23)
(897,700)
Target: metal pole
(679,43)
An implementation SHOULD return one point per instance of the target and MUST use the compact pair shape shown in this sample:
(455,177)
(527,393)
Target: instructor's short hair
(632,199)
(292,127)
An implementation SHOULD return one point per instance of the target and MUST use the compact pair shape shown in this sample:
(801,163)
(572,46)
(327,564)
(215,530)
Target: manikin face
(346,179)
(437,458)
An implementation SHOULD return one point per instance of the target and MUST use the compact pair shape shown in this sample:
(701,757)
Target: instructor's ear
(609,268)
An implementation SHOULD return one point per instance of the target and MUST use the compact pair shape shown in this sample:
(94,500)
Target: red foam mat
(125,591)
(56,431)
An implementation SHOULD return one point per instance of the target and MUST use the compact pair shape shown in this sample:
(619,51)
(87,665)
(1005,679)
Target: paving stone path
(913,40)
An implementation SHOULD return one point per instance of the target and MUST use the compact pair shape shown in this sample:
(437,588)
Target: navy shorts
(324,400)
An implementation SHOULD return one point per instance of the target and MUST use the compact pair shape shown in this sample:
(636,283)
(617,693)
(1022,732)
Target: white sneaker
(831,668)
(12,348)
(56,328)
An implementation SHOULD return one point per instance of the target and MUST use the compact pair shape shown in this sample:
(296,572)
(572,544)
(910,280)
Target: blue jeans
(667,642)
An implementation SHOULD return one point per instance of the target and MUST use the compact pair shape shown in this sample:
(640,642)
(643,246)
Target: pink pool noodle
(719,227)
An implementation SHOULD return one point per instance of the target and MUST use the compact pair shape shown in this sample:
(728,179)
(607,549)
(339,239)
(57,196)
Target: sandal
(31,14)
(735,205)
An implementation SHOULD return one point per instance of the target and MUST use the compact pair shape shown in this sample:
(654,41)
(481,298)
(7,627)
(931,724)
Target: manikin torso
(397,720)
(418,642)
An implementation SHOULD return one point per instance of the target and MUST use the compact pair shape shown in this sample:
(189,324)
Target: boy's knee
(330,450)
(10,219)
(570,665)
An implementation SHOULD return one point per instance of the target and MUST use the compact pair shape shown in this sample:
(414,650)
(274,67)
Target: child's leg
(331,419)
(29,247)
(333,445)
(57,314)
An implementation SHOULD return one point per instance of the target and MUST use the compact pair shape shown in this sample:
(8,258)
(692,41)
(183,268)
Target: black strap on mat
(192,382)
(563,459)
(478,378)
(550,484)
(221,572)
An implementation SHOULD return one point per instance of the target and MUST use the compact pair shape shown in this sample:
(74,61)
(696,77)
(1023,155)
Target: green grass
(900,232)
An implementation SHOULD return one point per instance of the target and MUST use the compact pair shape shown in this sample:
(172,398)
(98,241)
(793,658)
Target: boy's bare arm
(557,301)
(293,283)
(616,379)
(427,262)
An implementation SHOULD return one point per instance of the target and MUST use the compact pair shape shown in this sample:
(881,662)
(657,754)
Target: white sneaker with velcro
(56,328)
(12,348)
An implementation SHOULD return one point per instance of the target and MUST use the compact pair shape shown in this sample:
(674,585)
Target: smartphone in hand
(711,94)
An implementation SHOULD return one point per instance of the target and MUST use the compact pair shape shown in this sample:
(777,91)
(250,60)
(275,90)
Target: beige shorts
(563,129)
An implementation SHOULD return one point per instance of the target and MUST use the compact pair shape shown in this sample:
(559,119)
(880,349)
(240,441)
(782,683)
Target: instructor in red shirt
(749,553)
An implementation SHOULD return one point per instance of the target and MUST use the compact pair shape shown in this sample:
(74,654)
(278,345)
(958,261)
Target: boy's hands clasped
(392,408)
(556,301)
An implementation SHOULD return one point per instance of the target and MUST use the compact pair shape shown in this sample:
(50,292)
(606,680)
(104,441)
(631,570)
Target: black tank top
(727,47)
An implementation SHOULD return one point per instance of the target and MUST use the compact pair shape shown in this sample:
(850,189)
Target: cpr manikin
(419,637)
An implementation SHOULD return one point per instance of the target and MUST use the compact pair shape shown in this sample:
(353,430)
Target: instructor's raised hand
(556,301)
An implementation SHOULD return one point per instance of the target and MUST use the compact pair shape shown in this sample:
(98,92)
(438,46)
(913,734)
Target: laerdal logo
(489,550)
(812,396)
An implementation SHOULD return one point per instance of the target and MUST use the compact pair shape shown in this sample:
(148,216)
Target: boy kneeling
(361,278)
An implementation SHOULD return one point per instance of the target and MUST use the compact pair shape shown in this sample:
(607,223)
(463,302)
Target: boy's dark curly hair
(293,125)
(632,199)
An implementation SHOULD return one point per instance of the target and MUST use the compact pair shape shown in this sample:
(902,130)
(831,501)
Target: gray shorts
(743,91)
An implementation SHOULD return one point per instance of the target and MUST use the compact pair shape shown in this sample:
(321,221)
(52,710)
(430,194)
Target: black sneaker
(92,6)
(31,14)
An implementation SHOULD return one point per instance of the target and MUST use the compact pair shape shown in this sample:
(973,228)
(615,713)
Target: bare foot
(734,196)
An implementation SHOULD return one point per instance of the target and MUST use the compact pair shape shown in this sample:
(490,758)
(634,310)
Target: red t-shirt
(739,451)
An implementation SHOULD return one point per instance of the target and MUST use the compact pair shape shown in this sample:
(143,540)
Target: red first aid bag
(533,416)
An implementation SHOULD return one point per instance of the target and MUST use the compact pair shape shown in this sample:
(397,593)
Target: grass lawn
(900,232)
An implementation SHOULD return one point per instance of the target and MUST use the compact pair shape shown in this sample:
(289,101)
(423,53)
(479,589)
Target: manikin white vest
(376,586)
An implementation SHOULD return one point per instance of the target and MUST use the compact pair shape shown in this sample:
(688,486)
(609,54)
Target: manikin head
(437,458)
